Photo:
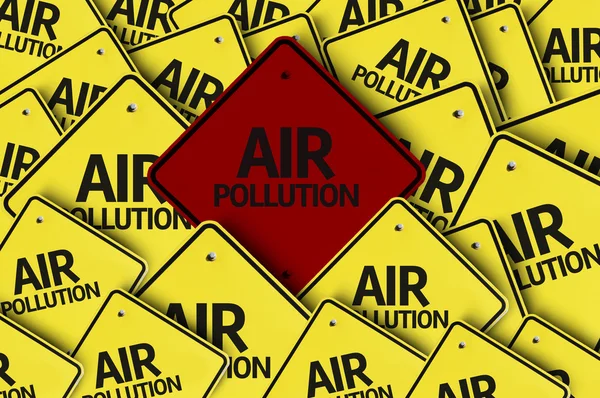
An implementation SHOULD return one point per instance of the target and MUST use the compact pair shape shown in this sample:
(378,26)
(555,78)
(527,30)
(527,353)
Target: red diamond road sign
(288,162)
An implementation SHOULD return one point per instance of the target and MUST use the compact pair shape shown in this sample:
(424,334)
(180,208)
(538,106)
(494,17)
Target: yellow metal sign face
(136,21)
(481,245)
(231,301)
(566,38)
(403,275)
(547,230)
(72,81)
(130,350)
(338,16)
(191,80)
(468,364)
(30,367)
(33,31)
(411,53)
(436,133)
(509,49)
(342,354)
(57,270)
(249,14)
(98,173)
(529,7)
(563,129)
(299,26)
(29,131)
(560,355)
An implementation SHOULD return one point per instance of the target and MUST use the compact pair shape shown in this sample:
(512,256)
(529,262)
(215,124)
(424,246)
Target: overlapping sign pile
(330,198)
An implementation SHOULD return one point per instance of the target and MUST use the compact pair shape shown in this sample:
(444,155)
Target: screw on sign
(288,162)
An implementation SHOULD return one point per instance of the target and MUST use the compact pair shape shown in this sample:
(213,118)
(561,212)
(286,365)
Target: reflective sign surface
(547,230)
(342,354)
(560,355)
(409,54)
(56,271)
(299,26)
(248,13)
(191,80)
(72,81)
(33,31)
(131,349)
(468,361)
(285,176)
(513,60)
(217,289)
(98,171)
(403,275)
(449,131)
(566,37)
(480,244)
(33,368)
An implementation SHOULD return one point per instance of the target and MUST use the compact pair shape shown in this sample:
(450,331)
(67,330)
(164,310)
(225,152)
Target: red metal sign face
(288,162)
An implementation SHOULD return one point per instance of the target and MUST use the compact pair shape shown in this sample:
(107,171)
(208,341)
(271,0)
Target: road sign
(515,65)
(564,130)
(449,131)
(341,353)
(31,32)
(191,80)
(467,360)
(560,355)
(334,16)
(317,177)
(480,244)
(411,53)
(57,270)
(248,13)
(73,80)
(98,173)
(29,131)
(136,22)
(402,274)
(529,7)
(131,347)
(229,293)
(298,26)
(566,37)
(548,232)
(33,368)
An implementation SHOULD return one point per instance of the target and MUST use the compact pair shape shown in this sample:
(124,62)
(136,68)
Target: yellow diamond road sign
(547,223)
(341,354)
(77,77)
(136,21)
(191,80)
(566,37)
(248,13)
(515,65)
(449,131)
(130,350)
(480,244)
(402,274)
(560,355)
(338,16)
(563,129)
(57,270)
(411,53)
(214,287)
(299,26)
(29,131)
(30,367)
(467,363)
(98,171)
(33,31)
